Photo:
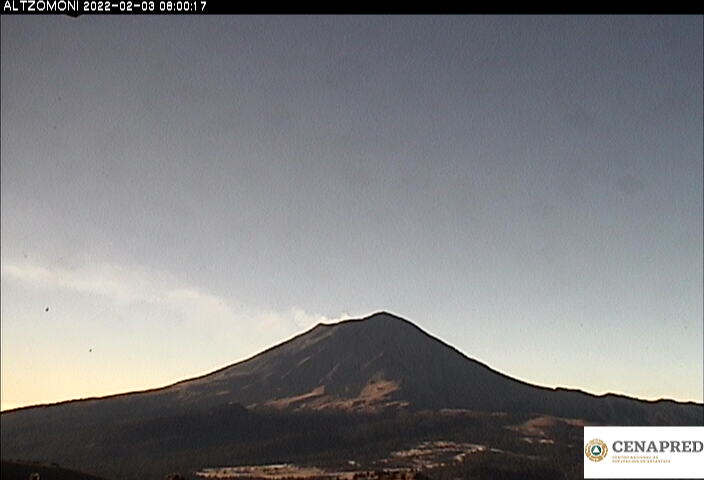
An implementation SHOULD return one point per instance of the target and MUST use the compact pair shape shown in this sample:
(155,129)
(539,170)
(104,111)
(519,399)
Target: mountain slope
(379,362)
(365,385)
(14,470)
(384,361)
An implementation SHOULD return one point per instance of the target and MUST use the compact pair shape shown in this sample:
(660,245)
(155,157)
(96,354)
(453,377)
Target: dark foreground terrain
(17,470)
(369,397)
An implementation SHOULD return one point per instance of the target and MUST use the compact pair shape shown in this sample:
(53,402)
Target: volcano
(380,366)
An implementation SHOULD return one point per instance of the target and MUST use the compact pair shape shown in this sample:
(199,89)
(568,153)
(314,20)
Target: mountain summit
(378,363)
(308,396)
(383,362)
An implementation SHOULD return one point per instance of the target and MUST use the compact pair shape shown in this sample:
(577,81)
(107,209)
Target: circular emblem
(596,450)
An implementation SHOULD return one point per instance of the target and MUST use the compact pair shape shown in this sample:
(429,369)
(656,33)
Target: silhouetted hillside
(17,470)
(358,387)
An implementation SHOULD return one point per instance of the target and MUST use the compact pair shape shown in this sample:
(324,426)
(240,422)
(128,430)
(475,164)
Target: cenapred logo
(643,452)
(596,450)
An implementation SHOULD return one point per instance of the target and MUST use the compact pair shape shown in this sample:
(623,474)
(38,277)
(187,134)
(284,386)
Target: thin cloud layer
(129,286)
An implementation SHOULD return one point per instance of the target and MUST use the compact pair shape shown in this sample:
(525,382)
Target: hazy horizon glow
(183,192)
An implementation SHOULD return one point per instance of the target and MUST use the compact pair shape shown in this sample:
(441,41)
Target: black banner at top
(75,8)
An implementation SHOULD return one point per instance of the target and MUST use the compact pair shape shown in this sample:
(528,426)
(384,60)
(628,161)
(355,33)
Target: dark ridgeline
(13,470)
(349,387)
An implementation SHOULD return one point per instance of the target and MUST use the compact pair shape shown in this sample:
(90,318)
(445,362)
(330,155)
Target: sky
(179,193)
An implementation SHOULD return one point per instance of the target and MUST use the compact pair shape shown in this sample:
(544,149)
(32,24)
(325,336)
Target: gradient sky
(182,192)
